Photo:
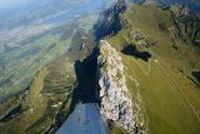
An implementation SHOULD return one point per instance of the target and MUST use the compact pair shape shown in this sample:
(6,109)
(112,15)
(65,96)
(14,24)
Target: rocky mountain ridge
(116,102)
(187,24)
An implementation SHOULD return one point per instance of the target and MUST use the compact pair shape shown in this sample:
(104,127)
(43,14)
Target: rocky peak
(186,23)
(120,6)
(109,21)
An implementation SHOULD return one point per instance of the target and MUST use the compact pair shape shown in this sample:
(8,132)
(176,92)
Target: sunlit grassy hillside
(171,100)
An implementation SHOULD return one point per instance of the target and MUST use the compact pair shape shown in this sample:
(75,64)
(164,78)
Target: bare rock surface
(116,102)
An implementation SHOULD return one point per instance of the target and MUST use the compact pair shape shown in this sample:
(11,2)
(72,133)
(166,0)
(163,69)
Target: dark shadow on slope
(11,114)
(196,75)
(87,90)
(131,50)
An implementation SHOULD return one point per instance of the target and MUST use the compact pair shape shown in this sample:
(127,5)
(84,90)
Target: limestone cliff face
(116,104)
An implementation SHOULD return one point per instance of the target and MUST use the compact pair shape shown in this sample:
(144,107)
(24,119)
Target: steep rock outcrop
(116,102)
(186,23)
(109,21)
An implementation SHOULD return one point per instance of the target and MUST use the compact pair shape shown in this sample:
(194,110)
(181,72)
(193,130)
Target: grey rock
(116,103)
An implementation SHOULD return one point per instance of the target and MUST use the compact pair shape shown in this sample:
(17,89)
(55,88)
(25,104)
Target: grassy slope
(49,96)
(171,100)
(30,116)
